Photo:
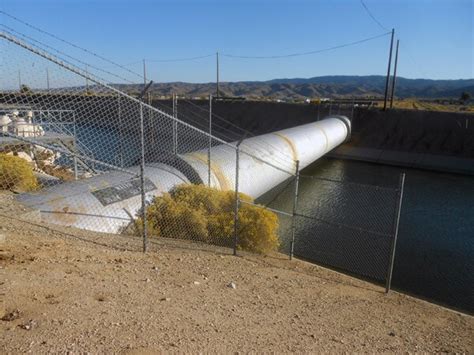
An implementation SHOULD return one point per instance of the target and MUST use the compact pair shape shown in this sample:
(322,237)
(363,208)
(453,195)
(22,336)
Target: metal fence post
(352,110)
(401,185)
(175,124)
(295,206)
(120,132)
(236,208)
(210,143)
(76,173)
(142,180)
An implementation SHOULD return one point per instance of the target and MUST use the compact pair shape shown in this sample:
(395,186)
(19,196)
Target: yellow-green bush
(200,213)
(16,174)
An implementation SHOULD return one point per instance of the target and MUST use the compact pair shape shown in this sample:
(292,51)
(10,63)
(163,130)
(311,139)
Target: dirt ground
(65,290)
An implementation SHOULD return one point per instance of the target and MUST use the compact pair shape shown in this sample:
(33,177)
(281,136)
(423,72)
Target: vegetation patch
(197,212)
(16,174)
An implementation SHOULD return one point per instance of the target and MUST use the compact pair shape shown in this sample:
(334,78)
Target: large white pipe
(105,202)
(281,149)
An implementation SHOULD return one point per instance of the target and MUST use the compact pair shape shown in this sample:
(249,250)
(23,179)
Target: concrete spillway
(105,202)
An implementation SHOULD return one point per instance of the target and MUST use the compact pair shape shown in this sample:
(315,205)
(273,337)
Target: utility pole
(144,72)
(47,79)
(19,80)
(394,75)
(388,72)
(217,76)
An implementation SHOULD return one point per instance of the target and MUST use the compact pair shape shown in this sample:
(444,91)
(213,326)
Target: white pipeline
(105,202)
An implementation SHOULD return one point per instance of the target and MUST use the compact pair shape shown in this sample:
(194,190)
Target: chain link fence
(106,161)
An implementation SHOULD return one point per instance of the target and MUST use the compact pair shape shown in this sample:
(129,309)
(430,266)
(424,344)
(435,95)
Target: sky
(436,36)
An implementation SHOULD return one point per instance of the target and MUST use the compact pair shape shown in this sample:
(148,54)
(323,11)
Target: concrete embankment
(439,141)
(442,141)
(425,161)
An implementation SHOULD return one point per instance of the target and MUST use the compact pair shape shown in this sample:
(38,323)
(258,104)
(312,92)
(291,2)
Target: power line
(180,59)
(372,16)
(310,52)
(419,68)
(69,43)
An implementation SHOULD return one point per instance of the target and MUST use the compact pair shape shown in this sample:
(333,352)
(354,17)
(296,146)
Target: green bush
(200,213)
(16,174)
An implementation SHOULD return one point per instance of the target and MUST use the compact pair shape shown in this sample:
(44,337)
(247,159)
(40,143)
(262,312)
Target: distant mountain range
(321,86)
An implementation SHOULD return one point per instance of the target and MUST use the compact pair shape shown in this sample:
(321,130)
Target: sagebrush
(205,214)
(16,174)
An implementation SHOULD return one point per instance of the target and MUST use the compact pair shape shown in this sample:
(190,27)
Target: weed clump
(16,174)
(205,214)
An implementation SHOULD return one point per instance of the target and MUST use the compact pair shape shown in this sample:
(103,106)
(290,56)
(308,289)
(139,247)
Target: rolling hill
(322,86)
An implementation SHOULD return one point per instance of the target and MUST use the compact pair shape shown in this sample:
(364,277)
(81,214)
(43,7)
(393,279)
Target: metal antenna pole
(144,72)
(295,206)
(217,74)
(396,224)
(210,143)
(388,71)
(394,74)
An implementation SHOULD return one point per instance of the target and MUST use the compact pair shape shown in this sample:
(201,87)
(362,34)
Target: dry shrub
(201,213)
(16,174)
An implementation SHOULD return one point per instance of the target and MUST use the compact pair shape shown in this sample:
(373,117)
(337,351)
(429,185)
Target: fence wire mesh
(106,161)
(114,156)
(347,226)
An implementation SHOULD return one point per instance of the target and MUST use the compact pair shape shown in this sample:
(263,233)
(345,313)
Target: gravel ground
(66,290)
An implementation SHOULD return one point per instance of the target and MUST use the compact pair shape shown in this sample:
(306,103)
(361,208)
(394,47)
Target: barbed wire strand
(44,45)
(70,43)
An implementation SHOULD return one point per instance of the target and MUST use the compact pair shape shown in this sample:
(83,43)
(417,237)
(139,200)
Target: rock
(155,268)
(147,280)
(197,283)
(392,333)
(167,299)
(28,325)
(232,285)
(11,316)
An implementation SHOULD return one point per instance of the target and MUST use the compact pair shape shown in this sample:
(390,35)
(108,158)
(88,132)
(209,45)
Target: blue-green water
(435,249)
